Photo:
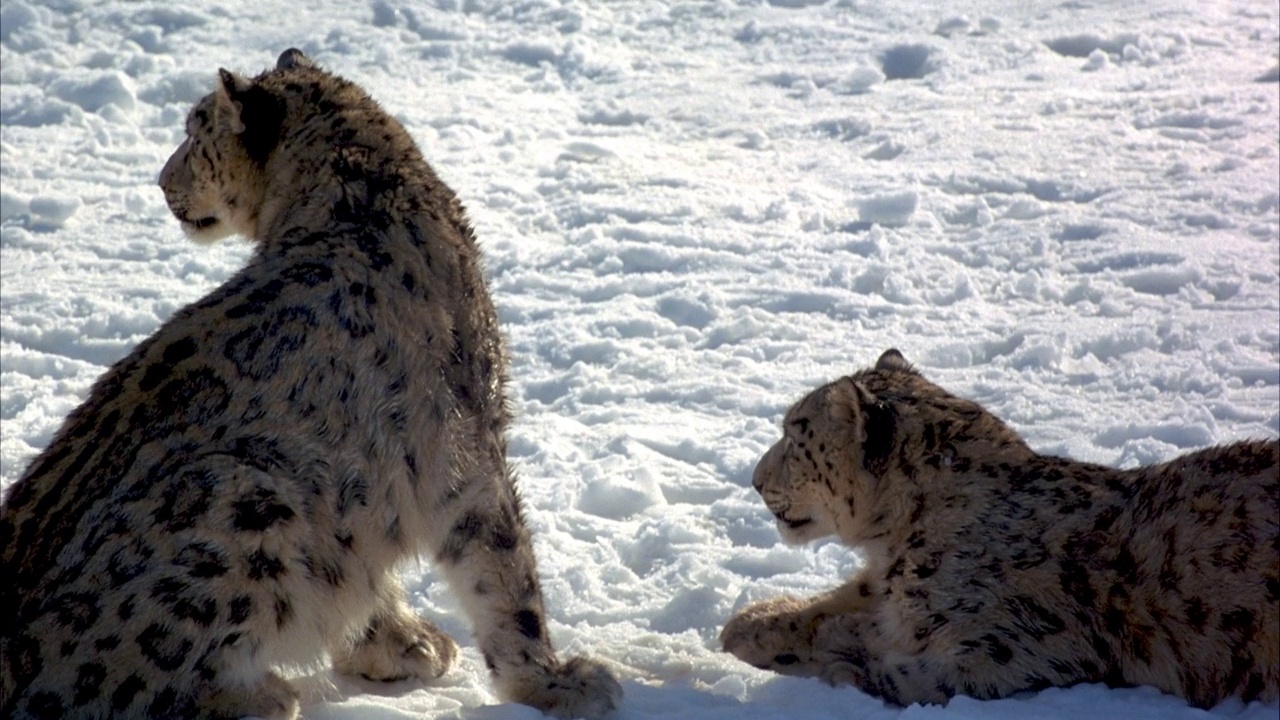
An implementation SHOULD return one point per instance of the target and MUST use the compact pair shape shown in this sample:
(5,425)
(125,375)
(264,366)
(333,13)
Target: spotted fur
(234,497)
(991,569)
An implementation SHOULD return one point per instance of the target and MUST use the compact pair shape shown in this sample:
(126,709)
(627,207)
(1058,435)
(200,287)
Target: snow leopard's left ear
(293,58)
(891,359)
(869,423)
(252,112)
(231,89)
(847,403)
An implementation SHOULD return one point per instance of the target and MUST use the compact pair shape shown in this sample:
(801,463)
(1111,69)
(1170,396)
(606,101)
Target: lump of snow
(51,213)
(12,206)
(531,53)
(686,311)
(385,15)
(1086,44)
(977,213)
(689,609)
(612,116)
(1162,280)
(957,25)
(1211,221)
(617,499)
(845,129)
(755,139)
(1041,353)
(1025,210)
(582,151)
(887,150)
(858,81)
(1081,231)
(1190,120)
(737,331)
(151,40)
(750,33)
(433,27)
(951,355)
(16,18)
(908,62)
(899,289)
(1098,60)
(1179,434)
(180,87)
(38,112)
(170,19)
(1144,451)
(96,92)
(893,210)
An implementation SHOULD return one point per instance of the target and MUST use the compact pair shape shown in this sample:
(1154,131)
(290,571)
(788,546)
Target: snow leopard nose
(171,166)
(766,467)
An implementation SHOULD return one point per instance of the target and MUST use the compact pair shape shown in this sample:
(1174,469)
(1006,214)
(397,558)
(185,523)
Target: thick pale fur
(992,569)
(234,497)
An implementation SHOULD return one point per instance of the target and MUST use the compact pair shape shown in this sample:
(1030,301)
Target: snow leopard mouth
(795,524)
(202,229)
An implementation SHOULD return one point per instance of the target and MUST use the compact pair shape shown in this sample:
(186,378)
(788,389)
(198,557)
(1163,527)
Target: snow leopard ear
(252,112)
(847,401)
(293,58)
(870,422)
(230,88)
(891,359)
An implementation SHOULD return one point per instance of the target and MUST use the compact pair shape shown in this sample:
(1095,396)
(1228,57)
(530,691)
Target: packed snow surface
(693,212)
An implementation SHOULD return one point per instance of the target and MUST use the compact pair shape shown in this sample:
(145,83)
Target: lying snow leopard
(992,569)
(234,497)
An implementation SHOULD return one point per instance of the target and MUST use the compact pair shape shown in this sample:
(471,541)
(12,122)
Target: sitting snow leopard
(234,497)
(991,569)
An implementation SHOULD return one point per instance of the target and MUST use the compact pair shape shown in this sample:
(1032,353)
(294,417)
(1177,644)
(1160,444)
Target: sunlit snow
(693,212)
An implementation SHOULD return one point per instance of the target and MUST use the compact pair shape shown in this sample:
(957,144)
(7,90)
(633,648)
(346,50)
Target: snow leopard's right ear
(252,112)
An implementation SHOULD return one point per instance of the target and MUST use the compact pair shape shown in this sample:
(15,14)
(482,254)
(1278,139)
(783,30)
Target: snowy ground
(692,213)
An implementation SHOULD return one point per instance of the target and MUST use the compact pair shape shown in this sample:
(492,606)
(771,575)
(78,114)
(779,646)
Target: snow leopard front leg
(778,634)
(796,637)
(396,644)
(487,557)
